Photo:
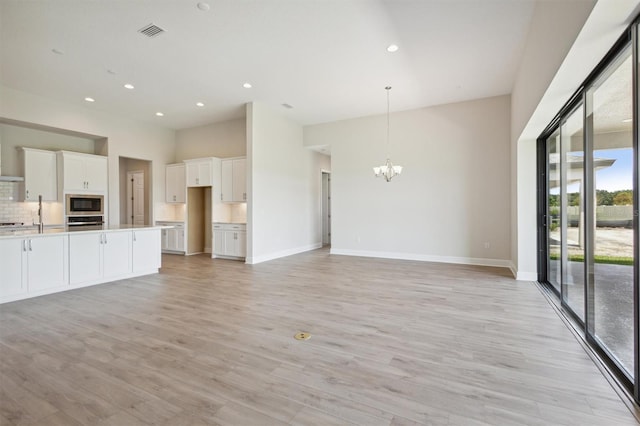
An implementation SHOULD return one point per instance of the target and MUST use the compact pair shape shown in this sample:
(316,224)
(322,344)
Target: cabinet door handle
(105,238)
(221,197)
(244,196)
(134,235)
(30,248)
(27,194)
(24,245)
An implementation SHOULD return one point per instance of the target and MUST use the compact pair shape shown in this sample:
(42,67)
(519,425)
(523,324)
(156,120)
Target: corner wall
(223,140)
(284,186)
(451,203)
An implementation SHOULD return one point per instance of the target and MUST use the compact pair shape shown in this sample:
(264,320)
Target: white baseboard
(526,276)
(283,253)
(501,263)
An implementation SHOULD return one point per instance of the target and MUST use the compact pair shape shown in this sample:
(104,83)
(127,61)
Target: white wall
(565,43)
(223,140)
(126,138)
(452,196)
(12,137)
(284,187)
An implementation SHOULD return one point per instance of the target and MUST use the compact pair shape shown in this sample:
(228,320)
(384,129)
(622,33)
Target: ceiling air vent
(151,30)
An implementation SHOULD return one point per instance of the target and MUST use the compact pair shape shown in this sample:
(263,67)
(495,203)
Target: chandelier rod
(388,88)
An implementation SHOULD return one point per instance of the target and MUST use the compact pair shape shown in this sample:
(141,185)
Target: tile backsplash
(12,210)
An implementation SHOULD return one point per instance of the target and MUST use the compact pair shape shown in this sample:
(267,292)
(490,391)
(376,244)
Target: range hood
(11,179)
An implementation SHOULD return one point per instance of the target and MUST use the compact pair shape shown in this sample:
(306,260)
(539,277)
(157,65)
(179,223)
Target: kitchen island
(59,259)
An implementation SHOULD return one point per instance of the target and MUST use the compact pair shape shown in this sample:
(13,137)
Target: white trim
(424,258)
(283,253)
(514,270)
(526,276)
(522,275)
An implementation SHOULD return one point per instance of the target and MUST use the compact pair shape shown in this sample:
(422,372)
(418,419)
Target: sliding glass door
(572,201)
(610,226)
(588,209)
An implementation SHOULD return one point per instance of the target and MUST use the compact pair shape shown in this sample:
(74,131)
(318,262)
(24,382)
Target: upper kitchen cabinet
(40,175)
(199,172)
(82,173)
(234,180)
(175,187)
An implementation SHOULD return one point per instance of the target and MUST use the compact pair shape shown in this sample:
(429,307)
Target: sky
(619,175)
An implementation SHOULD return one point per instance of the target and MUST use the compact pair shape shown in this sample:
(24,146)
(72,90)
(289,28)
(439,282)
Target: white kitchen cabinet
(95,256)
(199,172)
(82,173)
(32,265)
(229,240)
(172,238)
(40,175)
(175,183)
(234,180)
(146,250)
(218,241)
(11,268)
(47,266)
(40,263)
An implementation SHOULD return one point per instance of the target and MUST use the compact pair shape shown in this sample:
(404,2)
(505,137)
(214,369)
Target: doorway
(135,198)
(326,208)
(135,191)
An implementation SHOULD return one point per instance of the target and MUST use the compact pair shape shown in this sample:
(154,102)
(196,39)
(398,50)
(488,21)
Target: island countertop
(32,231)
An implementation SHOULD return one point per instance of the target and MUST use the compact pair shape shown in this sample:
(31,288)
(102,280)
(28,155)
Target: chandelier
(387,170)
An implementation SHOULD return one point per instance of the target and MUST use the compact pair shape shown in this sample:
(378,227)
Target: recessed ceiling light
(89,99)
(392,48)
(128,86)
(247,85)
(627,120)
(159,114)
(57,52)
(203,6)
(200,104)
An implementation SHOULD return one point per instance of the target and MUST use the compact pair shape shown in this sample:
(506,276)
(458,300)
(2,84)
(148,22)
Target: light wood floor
(211,342)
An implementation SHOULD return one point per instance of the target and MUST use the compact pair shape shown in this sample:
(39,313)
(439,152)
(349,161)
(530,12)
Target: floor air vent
(151,30)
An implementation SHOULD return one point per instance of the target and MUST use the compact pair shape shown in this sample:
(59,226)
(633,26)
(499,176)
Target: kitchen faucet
(41,223)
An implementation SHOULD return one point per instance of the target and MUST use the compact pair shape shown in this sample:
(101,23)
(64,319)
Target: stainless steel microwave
(83,204)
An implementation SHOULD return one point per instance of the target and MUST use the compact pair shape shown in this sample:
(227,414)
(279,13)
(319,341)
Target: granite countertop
(230,223)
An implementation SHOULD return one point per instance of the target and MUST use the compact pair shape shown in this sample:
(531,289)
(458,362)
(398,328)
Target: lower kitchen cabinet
(32,265)
(230,240)
(99,255)
(172,238)
(49,263)
(11,259)
(146,256)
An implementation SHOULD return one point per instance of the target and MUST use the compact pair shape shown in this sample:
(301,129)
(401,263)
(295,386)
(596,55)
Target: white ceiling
(326,58)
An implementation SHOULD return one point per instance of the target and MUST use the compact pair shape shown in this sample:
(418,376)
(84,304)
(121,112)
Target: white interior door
(135,198)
